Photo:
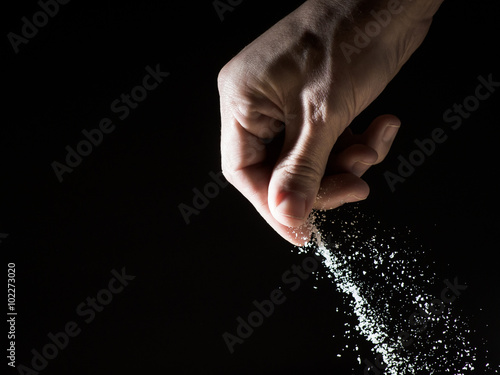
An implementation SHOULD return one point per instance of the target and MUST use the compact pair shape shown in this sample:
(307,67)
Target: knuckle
(224,76)
(302,169)
(228,175)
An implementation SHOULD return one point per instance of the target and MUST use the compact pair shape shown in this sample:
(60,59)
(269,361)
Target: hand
(288,97)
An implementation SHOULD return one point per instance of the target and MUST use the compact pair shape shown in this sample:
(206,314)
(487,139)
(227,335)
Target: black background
(119,207)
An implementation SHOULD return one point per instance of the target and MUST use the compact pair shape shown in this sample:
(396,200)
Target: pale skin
(300,85)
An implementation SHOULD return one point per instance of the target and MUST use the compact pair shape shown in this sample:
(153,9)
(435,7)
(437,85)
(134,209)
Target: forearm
(413,9)
(421,9)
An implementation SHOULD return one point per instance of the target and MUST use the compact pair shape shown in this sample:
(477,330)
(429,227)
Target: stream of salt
(386,286)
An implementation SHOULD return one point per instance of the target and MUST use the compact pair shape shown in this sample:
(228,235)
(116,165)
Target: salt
(370,294)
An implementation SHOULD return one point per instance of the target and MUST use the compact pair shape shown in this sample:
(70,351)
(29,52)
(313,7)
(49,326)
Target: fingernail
(292,205)
(390,132)
(351,198)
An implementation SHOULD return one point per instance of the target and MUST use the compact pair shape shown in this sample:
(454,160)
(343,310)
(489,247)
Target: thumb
(297,175)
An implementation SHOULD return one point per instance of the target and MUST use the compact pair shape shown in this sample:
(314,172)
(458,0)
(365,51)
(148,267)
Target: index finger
(244,165)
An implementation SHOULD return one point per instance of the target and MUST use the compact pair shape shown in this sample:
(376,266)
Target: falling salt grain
(371,297)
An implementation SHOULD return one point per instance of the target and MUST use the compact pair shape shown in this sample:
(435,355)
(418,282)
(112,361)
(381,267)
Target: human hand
(297,74)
